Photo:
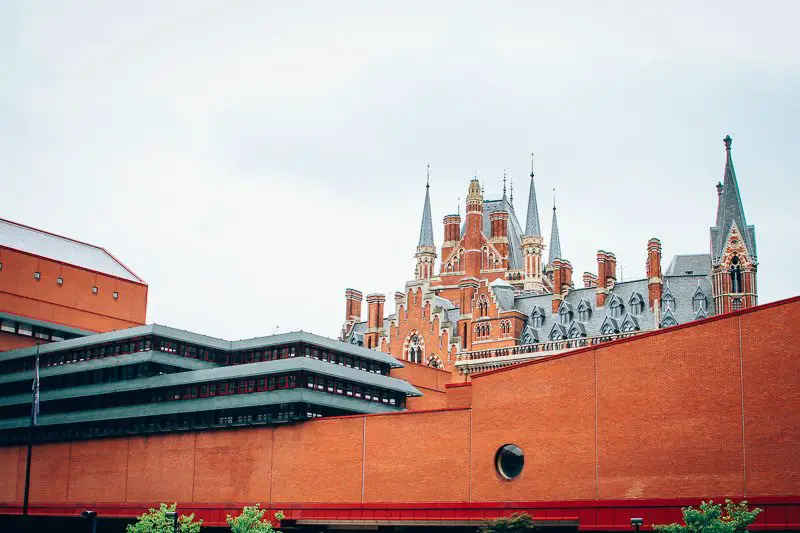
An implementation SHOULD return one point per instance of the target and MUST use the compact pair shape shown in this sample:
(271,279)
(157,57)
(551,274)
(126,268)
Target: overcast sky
(251,160)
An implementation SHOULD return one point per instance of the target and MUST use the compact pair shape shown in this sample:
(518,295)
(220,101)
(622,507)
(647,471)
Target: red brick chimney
(353,300)
(499,231)
(654,279)
(602,291)
(589,280)
(374,319)
(566,276)
(398,300)
(557,285)
(611,270)
(452,234)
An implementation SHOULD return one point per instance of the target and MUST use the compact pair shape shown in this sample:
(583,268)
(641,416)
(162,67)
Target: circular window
(509,461)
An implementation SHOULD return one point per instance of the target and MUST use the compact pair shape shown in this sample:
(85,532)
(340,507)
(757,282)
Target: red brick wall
(459,395)
(658,416)
(73,303)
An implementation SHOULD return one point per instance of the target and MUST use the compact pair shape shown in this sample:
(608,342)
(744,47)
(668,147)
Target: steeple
(730,211)
(532,220)
(555,242)
(426,228)
(426,249)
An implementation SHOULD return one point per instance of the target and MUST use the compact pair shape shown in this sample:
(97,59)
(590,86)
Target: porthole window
(509,461)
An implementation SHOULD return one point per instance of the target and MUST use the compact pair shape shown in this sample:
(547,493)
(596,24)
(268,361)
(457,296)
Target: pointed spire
(555,241)
(512,193)
(426,228)
(532,220)
(730,209)
(504,185)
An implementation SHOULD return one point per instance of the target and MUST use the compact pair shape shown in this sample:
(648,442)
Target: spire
(730,209)
(504,187)
(426,228)
(532,220)
(555,242)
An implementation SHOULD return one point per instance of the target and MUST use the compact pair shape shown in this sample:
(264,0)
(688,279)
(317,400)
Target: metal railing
(549,346)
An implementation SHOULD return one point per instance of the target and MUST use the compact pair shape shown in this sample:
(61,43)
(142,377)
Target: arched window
(415,349)
(698,302)
(668,302)
(736,275)
(483,306)
(434,361)
(636,303)
(537,317)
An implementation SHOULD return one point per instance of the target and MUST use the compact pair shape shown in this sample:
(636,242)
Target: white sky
(251,160)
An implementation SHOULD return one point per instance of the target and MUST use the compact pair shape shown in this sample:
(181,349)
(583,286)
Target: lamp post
(92,516)
(173,515)
(636,523)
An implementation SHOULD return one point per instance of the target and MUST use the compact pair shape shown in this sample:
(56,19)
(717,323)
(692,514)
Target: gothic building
(495,301)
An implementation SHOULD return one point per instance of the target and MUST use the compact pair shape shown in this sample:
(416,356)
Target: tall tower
(532,243)
(474,229)
(426,249)
(734,260)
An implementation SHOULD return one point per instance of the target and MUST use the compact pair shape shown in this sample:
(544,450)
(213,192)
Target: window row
(37,332)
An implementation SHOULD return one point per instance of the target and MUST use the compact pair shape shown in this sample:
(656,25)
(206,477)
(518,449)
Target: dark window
(509,461)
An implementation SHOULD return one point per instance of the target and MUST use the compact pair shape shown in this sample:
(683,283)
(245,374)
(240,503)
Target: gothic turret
(532,243)
(555,242)
(734,258)
(426,249)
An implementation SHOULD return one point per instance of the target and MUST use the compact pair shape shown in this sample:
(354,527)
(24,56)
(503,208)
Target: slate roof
(731,211)
(63,249)
(694,264)
(682,287)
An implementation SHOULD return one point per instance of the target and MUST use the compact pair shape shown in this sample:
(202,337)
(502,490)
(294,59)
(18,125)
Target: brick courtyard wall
(707,410)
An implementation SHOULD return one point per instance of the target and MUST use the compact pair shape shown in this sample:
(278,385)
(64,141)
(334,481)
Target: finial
(727,140)
(719,188)
(504,182)
(459,206)
(428,177)
(531,164)
(554,198)
(512,191)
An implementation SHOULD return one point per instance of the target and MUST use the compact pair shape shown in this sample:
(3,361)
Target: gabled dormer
(576,330)
(636,304)
(537,317)
(529,336)
(699,301)
(700,313)
(667,299)
(668,318)
(609,326)
(565,313)
(616,306)
(629,324)
(557,332)
(584,310)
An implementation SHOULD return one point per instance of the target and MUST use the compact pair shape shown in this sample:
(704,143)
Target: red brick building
(54,288)
(636,427)
(495,301)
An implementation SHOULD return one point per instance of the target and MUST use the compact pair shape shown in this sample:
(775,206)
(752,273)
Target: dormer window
(617,308)
(584,311)
(537,317)
(637,304)
(668,302)
(564,315)
(699,301)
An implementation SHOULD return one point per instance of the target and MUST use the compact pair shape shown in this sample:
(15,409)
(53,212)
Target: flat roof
(45,324)
(52,246)
(204,340)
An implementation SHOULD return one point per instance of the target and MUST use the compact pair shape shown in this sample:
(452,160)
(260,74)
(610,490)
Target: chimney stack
(557,285)
(654,279)
(602,291)
(452,234)
(611,270)
(499,231)
(353,300)
(566,276)
(374,319)
(589,280)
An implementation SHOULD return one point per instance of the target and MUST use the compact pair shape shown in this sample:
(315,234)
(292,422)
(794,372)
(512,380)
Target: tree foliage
(516,523)
(712,517)
(251,520)
(156,521)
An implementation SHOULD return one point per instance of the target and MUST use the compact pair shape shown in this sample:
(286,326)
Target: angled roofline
(45,324)
(640,336)
(131,272)
(211,342)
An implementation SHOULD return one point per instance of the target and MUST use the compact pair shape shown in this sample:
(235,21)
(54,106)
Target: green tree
(251,520)
(712,517)
(156,521)
(516,523)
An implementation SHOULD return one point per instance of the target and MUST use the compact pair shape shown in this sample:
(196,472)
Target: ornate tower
(473,232)
(734,260)
(532,243)
(426,249)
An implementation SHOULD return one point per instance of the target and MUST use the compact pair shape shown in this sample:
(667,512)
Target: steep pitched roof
(555,241)
(426,228)
(532,218)
(63,249)
(730,211)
